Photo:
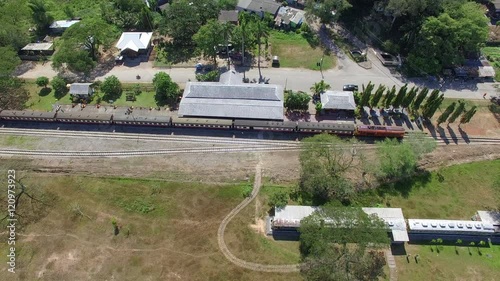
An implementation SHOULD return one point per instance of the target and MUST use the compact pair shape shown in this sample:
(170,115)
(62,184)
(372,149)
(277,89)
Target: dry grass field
(167,231)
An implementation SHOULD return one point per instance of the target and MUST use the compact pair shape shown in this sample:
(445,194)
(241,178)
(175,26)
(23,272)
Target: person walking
(484,96)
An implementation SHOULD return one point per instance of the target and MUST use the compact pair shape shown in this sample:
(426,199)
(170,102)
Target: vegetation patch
(294,50)
(493,56)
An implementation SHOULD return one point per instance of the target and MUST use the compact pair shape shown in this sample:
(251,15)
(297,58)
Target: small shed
(81,90)
(338,100)
(35,51)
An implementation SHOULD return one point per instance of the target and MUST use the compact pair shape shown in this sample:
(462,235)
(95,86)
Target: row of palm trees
(459,242)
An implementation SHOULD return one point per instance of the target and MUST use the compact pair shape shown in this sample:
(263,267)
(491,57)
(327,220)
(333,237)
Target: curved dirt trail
(222,244)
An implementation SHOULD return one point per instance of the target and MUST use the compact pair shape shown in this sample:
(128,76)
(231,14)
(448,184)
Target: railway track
(224,145)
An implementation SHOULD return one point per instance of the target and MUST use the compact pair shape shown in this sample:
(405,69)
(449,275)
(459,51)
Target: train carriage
(163,121)
(83,118)
(286,126)
(337,127)
(202,123)
(27,115)
(380,131)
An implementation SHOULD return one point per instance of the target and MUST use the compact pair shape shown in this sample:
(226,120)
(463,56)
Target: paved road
(347,72)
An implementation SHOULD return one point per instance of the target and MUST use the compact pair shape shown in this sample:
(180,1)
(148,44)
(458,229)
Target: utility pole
(321,67)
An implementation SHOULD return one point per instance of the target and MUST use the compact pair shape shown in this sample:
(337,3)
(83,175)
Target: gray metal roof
(63,23)
(80,89)
(38,47)
(450,225)
(268,6)
(231,78)
(247,101)
(343,100)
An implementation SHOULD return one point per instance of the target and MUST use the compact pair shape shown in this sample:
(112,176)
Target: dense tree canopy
(111,87)
(128,14)
(324,160)
(297,100)
(80,45)
(327,11)
(341,243)
(398,160)
(15,22)
(210,35)
(183,18)
(167,91)
(443,41)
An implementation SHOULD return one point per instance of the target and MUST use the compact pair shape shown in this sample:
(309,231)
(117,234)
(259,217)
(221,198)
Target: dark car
(350,87)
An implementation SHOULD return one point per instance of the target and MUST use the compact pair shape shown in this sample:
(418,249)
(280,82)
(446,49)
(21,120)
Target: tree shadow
(176,54)
(408,122)
(442,135)
(403,187)
(464,135)
(431,128)
(452,134)
(45,91)
(60,94)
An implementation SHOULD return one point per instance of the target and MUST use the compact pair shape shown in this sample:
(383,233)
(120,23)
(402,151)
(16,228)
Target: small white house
(133,44)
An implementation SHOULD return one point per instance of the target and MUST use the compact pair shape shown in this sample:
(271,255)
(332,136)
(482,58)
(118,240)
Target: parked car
(350,87)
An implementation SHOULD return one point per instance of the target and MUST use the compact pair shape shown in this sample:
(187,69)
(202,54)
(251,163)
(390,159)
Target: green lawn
(455,192)
(294,50)
(493,56)
(41,102)
(165,229)
(449,264)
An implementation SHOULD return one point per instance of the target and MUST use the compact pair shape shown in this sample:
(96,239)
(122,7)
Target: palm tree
(438,241)
(320,87)
(262,32)
(472,244)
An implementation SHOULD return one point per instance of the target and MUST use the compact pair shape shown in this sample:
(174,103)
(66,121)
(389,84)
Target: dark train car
(84,118)
(380,131)
(337,127)
(27,115)
(202,123)
(163,121)
(286,126)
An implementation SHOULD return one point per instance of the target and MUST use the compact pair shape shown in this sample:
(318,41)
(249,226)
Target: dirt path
(220,233)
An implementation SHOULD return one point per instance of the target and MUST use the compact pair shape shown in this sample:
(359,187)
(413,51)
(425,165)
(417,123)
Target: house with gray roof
(289,17)
(259,6)
(81,90)
(231,98)
(338,100)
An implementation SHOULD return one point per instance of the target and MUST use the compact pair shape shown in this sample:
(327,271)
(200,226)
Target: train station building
(286,221)
(232,98)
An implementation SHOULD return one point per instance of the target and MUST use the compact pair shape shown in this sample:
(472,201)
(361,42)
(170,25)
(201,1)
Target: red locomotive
(380,131)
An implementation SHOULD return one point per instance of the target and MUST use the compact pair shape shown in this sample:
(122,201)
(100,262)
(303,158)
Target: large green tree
(398,160)
(342,243)
(81,43)
(111,87)
(209,36)
(183,18)
(446,113)
(40,15)
(15,23)
(326,11)
(167,91)
(444,40)
(324,161)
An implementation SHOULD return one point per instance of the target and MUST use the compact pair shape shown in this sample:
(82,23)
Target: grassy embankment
(165,230)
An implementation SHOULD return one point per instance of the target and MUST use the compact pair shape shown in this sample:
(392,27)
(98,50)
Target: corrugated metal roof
(63,23)
(450,225)
(80,89)
(492,217)
(134,40)
(38,47)
(341,100)
(247,101)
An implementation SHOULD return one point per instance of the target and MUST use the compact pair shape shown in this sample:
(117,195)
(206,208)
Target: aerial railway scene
(249,140)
